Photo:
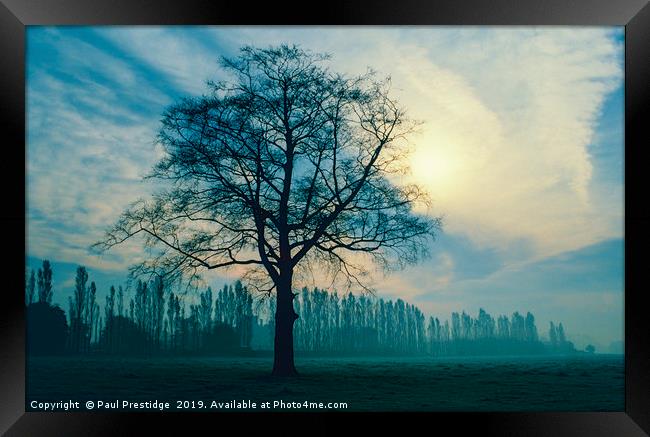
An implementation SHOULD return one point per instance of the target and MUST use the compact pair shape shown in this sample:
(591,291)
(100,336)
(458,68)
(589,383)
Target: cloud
(83,167)
(177,54)
(435,276)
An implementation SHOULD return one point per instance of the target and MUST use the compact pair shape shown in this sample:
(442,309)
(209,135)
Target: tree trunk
(285,317)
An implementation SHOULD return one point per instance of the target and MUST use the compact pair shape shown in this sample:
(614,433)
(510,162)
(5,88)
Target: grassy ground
(582,383)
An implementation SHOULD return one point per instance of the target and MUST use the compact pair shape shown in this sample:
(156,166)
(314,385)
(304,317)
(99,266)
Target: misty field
(579,383)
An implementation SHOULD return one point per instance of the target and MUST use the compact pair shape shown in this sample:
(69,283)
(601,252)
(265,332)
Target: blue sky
(522,152)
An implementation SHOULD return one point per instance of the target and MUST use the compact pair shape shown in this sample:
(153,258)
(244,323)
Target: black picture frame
(16,14)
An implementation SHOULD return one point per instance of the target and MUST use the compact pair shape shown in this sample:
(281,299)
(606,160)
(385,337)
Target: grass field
(581,383)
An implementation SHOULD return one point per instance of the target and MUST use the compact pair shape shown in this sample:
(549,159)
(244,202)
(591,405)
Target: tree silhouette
(45,290)
(285,167)
(31,287)
(78,310)
(109,311)
(46,327)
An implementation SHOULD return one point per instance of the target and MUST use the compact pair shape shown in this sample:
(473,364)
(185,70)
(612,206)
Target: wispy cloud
(177,54)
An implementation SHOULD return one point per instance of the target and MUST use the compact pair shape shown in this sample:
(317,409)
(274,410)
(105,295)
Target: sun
(434,168)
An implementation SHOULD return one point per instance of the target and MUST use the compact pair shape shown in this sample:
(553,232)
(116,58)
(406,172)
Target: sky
(521,150)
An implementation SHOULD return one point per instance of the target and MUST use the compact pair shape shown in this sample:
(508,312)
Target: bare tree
(285,168)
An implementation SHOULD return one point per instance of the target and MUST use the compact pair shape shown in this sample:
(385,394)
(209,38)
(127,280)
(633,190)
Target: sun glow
(435,168)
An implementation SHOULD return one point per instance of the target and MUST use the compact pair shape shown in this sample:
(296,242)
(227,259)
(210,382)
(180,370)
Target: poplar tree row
(156,321)
(332,324)
(152,319)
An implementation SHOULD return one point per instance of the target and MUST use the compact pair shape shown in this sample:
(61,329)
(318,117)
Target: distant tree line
(352,324)
(155,320)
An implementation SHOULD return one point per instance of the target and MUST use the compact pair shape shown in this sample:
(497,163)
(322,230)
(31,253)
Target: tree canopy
(284,165)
